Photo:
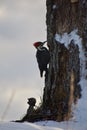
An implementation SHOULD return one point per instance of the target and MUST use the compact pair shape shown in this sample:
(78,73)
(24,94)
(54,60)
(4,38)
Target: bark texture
(61,86)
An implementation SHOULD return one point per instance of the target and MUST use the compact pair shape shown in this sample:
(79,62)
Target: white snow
(26,126)
(79,121)
(54,6)
(44,125)
(66,38)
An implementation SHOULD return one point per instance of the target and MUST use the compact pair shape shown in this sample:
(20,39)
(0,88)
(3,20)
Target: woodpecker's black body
(43,58)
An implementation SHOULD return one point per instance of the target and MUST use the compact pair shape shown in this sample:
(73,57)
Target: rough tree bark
(61,86)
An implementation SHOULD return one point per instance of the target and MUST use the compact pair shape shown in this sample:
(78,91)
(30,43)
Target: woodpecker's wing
(43,56)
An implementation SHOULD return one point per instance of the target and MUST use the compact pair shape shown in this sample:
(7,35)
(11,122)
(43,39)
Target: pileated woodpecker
(43,57)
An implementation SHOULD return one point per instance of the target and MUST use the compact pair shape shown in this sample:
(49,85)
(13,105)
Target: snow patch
(44,125)
(54,6)
(66,39)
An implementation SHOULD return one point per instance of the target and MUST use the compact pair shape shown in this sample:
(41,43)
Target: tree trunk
(61,87)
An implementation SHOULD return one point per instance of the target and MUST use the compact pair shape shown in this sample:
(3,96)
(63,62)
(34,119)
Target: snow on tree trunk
(66,33)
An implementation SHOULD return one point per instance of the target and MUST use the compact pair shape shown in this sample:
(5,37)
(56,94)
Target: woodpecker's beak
(44,42)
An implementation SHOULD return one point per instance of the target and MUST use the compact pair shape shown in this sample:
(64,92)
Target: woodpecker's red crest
(37,44)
